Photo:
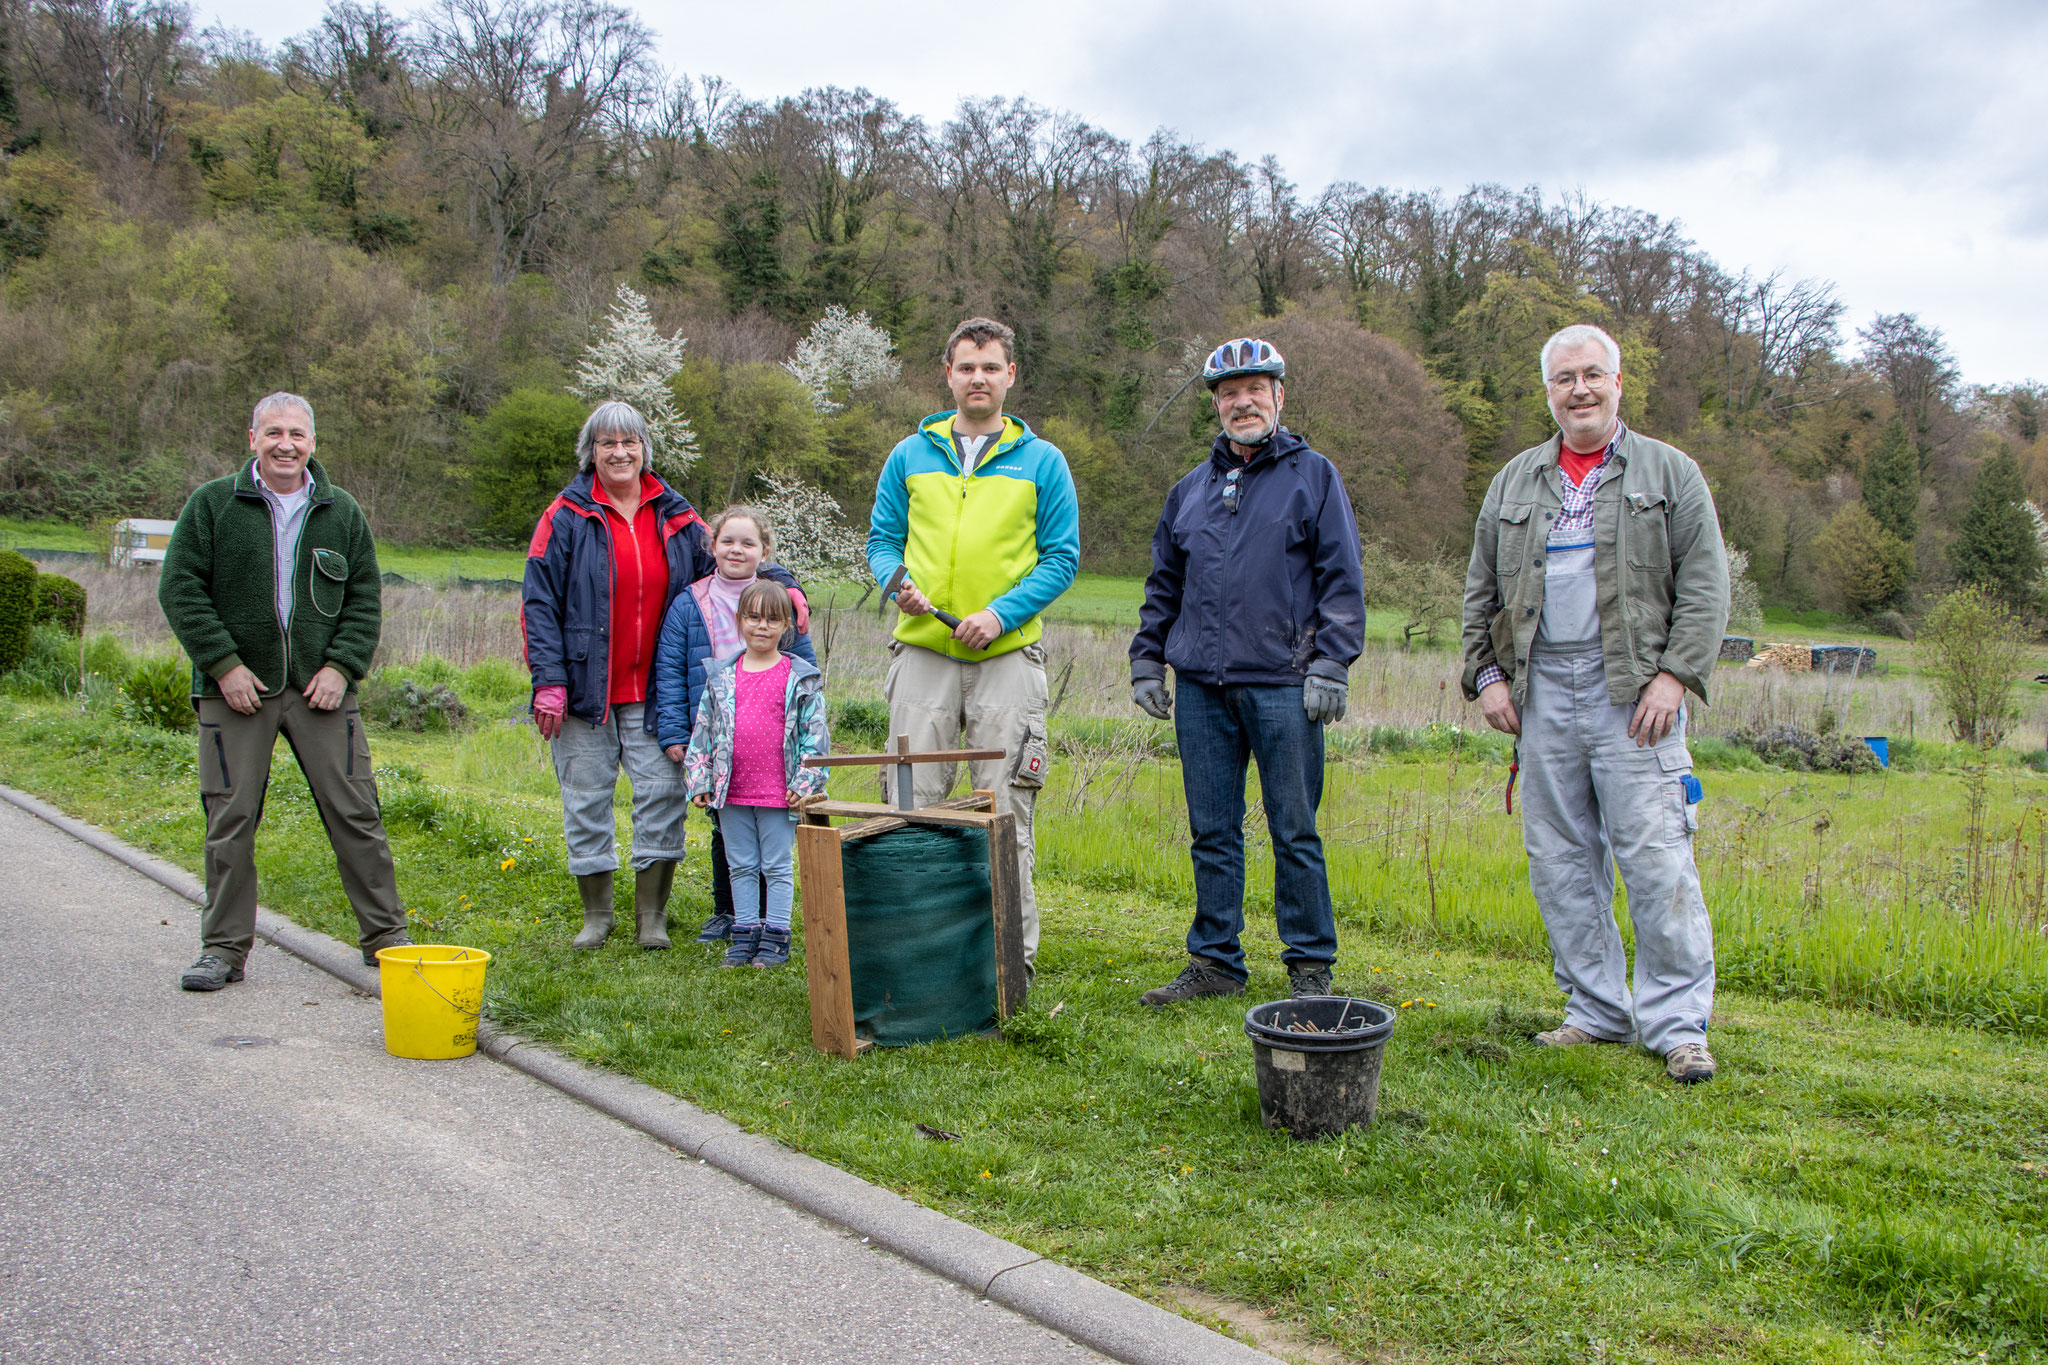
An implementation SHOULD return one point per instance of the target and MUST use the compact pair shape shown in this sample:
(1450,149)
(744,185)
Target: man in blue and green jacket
(982,514)
(270,583)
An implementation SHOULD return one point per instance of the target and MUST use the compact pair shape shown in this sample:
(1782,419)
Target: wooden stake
(1006,903)
(825,954)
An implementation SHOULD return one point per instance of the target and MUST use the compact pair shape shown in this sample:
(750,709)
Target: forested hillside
(420,220)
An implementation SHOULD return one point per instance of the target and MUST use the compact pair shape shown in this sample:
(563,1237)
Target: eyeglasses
(610,443)
(1231,488)
(1568,379)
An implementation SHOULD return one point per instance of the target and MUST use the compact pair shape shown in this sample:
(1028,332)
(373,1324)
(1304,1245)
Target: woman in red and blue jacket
(609,555)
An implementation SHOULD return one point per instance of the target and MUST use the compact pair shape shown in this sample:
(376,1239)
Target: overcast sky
(1898,149)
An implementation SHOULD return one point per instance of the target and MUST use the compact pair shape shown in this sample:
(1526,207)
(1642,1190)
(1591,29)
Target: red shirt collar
(650,488)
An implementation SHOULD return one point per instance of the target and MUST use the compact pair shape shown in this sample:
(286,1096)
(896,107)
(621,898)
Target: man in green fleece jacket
(271,585)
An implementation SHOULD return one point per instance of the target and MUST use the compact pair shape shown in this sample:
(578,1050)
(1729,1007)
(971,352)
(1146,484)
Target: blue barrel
(1881,745)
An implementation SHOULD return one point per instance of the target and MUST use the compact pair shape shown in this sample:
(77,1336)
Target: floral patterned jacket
(708,764)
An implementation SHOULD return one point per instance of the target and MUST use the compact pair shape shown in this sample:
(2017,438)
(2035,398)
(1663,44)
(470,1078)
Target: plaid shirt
(1573,526)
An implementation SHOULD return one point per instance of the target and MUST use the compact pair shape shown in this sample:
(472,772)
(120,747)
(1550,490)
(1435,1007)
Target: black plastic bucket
(1319,1082)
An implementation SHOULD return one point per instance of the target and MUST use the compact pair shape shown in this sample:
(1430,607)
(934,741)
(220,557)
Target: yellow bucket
(433,993)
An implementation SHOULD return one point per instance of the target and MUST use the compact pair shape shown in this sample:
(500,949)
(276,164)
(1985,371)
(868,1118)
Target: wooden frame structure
(819,849)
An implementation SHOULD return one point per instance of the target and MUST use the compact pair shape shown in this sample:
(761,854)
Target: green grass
(17,533)
(427,565)
(1853,1188)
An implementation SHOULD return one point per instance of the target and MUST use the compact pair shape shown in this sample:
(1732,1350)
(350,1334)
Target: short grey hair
(278,402)
(1578,334)
(614,419)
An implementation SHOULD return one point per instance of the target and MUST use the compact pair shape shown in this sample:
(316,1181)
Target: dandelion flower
(507,865)
(986,1176)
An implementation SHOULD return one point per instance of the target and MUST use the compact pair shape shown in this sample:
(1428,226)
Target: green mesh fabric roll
(920,935)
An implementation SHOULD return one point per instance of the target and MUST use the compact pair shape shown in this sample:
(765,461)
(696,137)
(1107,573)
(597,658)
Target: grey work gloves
(1323,699)
(1150,695)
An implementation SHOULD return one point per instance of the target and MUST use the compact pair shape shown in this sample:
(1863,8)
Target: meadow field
(1867,1180)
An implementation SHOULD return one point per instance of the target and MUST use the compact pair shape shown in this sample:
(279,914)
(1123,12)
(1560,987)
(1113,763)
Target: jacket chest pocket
(1512,546)
(329,581)
(1646,521)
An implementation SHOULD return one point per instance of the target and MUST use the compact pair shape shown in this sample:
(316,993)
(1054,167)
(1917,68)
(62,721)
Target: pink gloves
(550,704)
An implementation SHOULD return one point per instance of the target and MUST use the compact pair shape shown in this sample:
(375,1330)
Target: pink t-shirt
(759,777)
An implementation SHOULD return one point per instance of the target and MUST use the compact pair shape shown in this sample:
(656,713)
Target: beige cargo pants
(999,703)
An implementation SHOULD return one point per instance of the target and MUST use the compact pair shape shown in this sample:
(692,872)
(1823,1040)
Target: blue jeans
(759,844)
(1220,729)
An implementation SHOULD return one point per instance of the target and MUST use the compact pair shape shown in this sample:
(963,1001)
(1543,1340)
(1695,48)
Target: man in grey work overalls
(1595,600)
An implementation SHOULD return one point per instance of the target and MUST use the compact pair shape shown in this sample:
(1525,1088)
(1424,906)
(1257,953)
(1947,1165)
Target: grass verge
(1852,1188)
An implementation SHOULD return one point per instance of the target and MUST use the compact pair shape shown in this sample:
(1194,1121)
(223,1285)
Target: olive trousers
(234,778)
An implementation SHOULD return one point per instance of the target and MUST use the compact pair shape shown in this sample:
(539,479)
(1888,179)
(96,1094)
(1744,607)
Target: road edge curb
(1097,1315)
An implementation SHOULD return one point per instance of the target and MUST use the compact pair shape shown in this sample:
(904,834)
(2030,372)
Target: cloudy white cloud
(1894,148)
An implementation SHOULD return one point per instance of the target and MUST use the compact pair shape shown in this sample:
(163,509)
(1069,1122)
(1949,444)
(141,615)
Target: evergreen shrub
(60,602)
(17,608)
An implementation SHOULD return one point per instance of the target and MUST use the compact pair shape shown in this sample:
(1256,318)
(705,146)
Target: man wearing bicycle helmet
(1257,600)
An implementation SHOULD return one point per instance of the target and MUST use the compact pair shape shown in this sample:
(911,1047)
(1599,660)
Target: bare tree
(113,60)
(1025,167)
(355,59)
(1638,266)
(1915,364)
(1279,233)
(528,101)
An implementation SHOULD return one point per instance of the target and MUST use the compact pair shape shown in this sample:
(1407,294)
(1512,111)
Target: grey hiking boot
(1567,1035)
(1689,1063)
(1309,978)
(370,954)
(209,973)
(1199,977)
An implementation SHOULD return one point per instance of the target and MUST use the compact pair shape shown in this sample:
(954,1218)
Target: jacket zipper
(611,562)
(284,630)
(1628,634)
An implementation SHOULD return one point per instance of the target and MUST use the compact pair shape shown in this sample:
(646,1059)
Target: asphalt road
(305,1196)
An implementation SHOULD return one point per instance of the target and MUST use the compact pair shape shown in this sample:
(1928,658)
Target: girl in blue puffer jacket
(700,629)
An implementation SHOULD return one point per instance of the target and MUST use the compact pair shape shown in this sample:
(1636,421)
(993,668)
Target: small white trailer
(140,540)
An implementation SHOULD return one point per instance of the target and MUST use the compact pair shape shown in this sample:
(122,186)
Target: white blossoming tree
(842,354)
(632,362)
(1745,604)
(812,539)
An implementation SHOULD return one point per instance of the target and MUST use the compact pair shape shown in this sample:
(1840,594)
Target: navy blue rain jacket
(683,651)
(565,611)
(1269,593)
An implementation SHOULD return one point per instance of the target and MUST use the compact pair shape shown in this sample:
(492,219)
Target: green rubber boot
(596,889)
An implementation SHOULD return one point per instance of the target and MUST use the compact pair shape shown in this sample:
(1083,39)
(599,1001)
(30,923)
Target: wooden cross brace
(901,760)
